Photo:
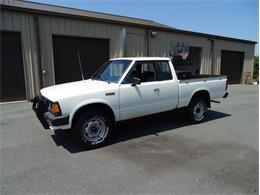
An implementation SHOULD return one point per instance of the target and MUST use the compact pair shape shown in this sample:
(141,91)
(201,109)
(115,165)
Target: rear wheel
(197,110)
(93,129)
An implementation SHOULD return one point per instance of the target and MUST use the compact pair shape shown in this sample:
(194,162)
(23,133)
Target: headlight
(55,109)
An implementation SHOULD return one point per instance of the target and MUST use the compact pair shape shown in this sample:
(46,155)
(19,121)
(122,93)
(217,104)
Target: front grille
(44,103)
(44,99)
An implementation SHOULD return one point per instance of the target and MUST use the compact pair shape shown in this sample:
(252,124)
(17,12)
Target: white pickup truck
(125,88)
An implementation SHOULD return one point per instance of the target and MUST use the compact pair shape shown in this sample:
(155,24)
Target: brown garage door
(231,65)
(12,72)
(93,53)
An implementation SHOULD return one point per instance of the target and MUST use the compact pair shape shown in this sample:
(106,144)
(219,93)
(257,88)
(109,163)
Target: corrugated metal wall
(24,23)
(248,49)
(50,25)
(136,44)
(161,46)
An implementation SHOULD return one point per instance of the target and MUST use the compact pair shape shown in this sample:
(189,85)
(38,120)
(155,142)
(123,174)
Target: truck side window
(142,70)
(164,71)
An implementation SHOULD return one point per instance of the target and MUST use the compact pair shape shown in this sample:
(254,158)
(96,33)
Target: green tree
(256,68)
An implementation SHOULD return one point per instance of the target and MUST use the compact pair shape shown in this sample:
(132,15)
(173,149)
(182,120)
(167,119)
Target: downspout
(38,47)
(147,39)
(212,55)
(123,43)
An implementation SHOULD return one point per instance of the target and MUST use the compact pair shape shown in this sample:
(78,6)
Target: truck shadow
(135,128)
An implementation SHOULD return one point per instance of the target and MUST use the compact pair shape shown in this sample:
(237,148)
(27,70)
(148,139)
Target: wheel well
(204,94)
(95,106)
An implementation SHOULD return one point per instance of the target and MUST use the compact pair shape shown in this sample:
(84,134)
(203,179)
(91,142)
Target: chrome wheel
(198,111)
(94,130)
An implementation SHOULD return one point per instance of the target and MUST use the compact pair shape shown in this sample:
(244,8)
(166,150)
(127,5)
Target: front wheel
(197,110)
(93,129)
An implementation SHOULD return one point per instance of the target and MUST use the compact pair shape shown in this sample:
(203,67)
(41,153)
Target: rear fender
(197,92)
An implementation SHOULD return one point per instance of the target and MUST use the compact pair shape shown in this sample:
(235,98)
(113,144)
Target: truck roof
(141,58)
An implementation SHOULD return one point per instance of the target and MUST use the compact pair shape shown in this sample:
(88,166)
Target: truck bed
(189,83)
(185,76)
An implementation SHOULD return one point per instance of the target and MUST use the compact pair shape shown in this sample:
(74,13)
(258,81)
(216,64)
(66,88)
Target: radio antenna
(80,65)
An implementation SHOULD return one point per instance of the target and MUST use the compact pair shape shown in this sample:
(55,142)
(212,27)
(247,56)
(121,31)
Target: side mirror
(136,81)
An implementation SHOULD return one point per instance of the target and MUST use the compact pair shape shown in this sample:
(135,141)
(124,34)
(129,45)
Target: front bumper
(40,107)
(56,120)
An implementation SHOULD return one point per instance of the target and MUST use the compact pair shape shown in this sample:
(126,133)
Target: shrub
(256,68)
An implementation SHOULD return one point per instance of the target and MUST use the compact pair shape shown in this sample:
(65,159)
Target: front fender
(92,101)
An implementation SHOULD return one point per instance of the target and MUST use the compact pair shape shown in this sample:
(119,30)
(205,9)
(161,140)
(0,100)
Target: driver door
(141,99)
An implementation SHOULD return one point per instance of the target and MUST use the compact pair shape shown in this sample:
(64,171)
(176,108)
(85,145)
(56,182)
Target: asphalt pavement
(159,154)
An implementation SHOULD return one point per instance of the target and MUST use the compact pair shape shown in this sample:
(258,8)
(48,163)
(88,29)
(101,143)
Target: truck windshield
(111,71)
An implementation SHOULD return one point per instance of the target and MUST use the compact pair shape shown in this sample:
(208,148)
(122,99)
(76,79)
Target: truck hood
(66,90)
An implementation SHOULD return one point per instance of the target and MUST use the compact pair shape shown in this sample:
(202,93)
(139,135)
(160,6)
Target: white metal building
(39,44)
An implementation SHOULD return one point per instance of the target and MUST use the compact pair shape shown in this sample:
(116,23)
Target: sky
(232,18)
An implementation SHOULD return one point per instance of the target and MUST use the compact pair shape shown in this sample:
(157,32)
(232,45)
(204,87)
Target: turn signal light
(55,108)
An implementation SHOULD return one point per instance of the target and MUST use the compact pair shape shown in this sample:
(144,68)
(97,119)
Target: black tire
(197,110)
(88,125)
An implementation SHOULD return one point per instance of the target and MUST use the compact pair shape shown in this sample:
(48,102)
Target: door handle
(156,90)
